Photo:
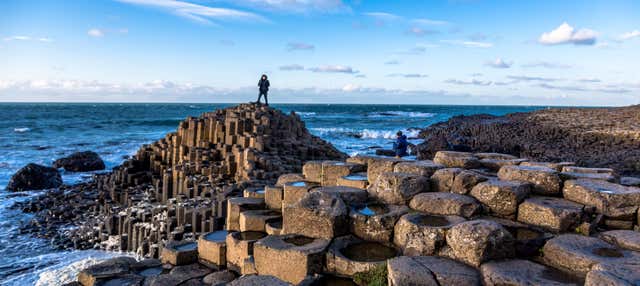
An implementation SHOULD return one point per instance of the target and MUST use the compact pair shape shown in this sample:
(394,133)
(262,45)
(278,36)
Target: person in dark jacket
(263,84)
(401,144)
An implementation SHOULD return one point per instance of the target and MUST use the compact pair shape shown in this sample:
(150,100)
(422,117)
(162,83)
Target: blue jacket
(400,146)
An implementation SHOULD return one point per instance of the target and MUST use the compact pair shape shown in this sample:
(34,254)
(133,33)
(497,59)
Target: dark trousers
(266,101)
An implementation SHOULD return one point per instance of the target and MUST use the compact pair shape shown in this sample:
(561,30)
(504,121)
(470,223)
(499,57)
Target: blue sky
(424,52)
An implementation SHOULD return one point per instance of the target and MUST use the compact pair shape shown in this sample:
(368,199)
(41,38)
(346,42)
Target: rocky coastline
(246,196)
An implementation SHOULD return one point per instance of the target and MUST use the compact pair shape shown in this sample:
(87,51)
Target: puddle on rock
(369,252)
(355,178)
(371,210)
(187,246)
(299,184)
(219,235)
(432,220)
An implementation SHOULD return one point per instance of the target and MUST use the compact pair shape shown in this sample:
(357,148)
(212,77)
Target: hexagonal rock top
(554,214)
(423,234)
(317,214)
(446,204)
(375,222)
(501,197)
(290,258)
(423,168)
(623,273)
(523,272)
(477,241)
(613,200)
(430,271)
(397,188)
(545,180)
(453,159)
(577,254)
(627,239)
(347,194)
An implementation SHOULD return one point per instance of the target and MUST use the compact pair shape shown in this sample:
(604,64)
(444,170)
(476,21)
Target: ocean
(43,132)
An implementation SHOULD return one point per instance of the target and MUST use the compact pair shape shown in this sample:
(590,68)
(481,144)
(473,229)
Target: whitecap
(402,114)
(305,113)
(22,129)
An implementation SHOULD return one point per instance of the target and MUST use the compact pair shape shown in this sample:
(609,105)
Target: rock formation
(80,162)
(594,137)
(34,177)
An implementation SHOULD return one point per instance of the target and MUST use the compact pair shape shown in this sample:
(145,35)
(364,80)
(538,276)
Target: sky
(583,53)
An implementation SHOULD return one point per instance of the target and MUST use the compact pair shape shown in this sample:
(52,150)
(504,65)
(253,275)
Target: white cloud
(421,32)
(295,6)
(469,82)
(429,22)
(548,65)
(334,69)
(531,78)
(383,16)
(392,62)
(499,63)
(408,75)
(468,44)
(28,38)
(300,46)
(95,33)
(630,35)
(197,12)
(566,34)
(351,87)
(294,67)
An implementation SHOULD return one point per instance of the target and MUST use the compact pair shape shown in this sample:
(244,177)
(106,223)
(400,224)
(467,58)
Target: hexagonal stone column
(290,258)
(235,206)
(312,171)
(240,249)
(446,204)
(379,165)
(254,192)
(348,255)
(349,195)
(612,200)
(422,234)
(375,222)
(464,181)
(397,188)
(255,220)
(212,248)
(357,180)
(442,179)
(180,252)
(273,197)
(318,215)
(423,167)
(332,170)
(430,271)
(294,191)
(554,214)
(501,197)
(477,241)
(545,181)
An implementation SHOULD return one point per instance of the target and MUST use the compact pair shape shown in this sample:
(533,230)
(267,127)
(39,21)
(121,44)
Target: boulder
(80,162)
(612,200)
(554,214)
(34,177)
(258,280)
(453,159)
(397,188)
(423,167)
(626,239)
(379,165)
(430,271)
(624,273)
(317,215)
(519,272)
(446,204)
(219,278)
(290,258)
(464,181)
(375,222)
(477,241)
(545,181)
(349,195)
(422,234)
(442,180)
(501,197)
(577,254)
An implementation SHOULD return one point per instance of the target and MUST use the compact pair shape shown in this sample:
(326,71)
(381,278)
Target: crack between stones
(435,278)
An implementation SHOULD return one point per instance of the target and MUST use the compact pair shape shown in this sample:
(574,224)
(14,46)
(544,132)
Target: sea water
(43,132)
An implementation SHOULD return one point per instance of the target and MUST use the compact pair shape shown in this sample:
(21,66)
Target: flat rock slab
(554,214)
(318,215)
(494,164)
(630,181)
(397,188)
(258,280)
(446,204)
(423,167)
(349,195)
(379,165)
(178,275)
(615,274)
(453,159)
(592,176)
(430,270)
(556,166)
(477,241)
(332,170)
(612,200)
(583,170)
(523,273)
(577,254)
(464,181)
(423,234)
(442,180)
(500,156)
(501,197)
(627,239)
(545,181)
(105,270)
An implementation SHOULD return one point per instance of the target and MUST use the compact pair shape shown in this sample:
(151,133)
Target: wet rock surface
(80,162)
(34,177)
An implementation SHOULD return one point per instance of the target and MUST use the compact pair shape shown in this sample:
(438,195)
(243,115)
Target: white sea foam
(364,133)
(22,129)
(402,114)
(305,113)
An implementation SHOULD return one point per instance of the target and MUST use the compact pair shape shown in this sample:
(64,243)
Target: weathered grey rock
(554,214)
(555,166)
(258,280)
(333,170)
(501,197)
(326,213)
(446,204)
(494,164)
(105,270)
(630,181)
(452,159)
(80,162)
(423,167)
(545,181)
(128,279)
(612,200)
(294,191)
(288,178)
(626,239)
(350,196)
(379,165)
(423,234)
(464,181)
(577,254)
(624,273)
(523,273)
(219,278)
(179,275)
(442,180)
(290,258)
(34,177)
(429,270)
(348,255)
(375,222)
(397,188)
(477,241)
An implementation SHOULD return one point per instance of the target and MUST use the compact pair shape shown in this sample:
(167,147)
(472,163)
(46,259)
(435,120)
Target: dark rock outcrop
(80,162)
(34,177)
(595,137)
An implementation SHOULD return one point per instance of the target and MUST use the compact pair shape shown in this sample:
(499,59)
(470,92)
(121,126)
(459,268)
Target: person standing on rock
(401,144)
(263,84)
